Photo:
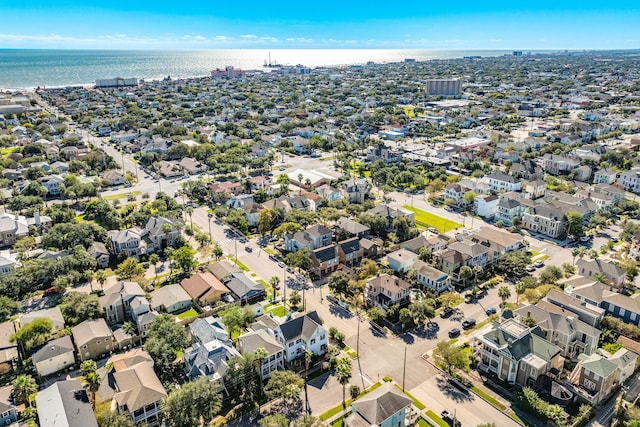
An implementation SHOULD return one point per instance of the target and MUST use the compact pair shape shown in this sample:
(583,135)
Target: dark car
(248,249)
(446,312)
(454,332)
(332,299)
(450,419)
(490,311)
(468,323)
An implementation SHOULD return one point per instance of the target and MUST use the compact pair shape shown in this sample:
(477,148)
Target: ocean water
(29,68)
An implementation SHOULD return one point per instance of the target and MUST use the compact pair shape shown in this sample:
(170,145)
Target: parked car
(491,310)
(332,299)
(585,238)
(450,419)
(49,291)
(468,323)
(538,264)
(446,312)
(454,332)
(281,265)
(248,249)
(531,268)
(434,230)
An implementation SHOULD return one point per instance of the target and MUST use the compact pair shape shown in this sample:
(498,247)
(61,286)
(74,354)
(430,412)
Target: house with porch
(384,407)
(385,290)
(302,333)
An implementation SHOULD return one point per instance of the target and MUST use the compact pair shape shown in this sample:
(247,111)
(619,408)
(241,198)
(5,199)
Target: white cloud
(299,40)
(248,36)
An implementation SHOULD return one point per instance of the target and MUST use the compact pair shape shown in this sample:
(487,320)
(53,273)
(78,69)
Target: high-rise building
(445,87)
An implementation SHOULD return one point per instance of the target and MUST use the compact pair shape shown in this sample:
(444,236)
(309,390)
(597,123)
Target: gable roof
(52,349)
(54,314)
(90,329)
(303,326)
(380,404)
(65,404)
(169,295)
(138,386)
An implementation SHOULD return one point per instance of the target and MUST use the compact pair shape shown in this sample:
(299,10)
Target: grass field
(489,398)
(331,412)
(187,314)
(426,219)
(239,263)
(122,195)
(278,311)
(439,421)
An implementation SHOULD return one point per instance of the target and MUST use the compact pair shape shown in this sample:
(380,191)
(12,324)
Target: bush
(528,400)
(387,379)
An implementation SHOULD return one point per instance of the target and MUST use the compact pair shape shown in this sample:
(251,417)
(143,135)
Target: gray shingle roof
(303,327)
(53,349)
(65,404)
(380,404)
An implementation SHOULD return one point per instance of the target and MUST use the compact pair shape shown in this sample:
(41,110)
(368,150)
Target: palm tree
(217,252)
(129,329)
(190,213)
(101,277)
(274,282)
(300,176)
(599,277)
(92,383)
(23,387)
(260,356)
(504,293)
(154,259)
(520,289)
(343,375)
(575,252)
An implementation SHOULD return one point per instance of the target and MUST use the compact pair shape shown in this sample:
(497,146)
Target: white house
(500,182)
(432,277)
(54,356)
(300,334)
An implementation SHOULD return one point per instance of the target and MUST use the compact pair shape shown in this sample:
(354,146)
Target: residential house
(355,190)
(171,298)
(390,212)
(54,356)
(160,232)
(65,403)
(605,176)
(536,188)
(613,274)
(301,334)
(8,349)
(204,288)
(327,192)
(477,253)
(371,248)
(222,191)
(210,351)
(244,289)
(8,414)
(53,314)
(265,339)
(508,209)
(8,265)
(52,184)
(325,261)
(352,228)
(384,407)
(114,177)
(312,238)
(118,302)
(555,164)
(127,242)
(93,339)
(426,240)
(568,332)
(593,293)
(139,392)
(431,277)
(350,252)
(630,180)
(515,353)
(60,167)
(500,182)
(385,290)
(13,227)
(486,206)
(558,300)
(100,253)
(382,152)
(595,378)
(401,260)
(547,220)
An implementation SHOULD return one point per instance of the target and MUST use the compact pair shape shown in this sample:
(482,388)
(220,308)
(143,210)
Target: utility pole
(209,215)
(358,353)
(404,367)
(284,288)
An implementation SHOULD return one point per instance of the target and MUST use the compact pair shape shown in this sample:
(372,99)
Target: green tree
(91,382)
(300,259)
(128,269)
(468,198)
(165,327)
(514,262)
(236,319)
(196,403)
(339,282)
(504,293)
(274,420)
(450,356)
(265,221)
(307,420)
(295,298)
(154,259)
(23,387)
(101,277)
(284,385)
(405,316)
(575,220)
(551,274)
(185,258)
(7,307)
(108,418)
(376,315)
(466,273)
(77,307)
(521,287)
(343,376)
(32,334)
(218,252)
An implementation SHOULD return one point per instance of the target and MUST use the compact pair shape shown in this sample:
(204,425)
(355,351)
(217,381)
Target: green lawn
(239,263)
(278,311)
(426,219)
(436,418)
(270,251)
(488,398)
(331,412)
(188,314)
(517,418)
(122,195)
(423,423)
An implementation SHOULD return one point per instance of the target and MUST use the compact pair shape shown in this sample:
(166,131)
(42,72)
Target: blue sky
(215,24)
